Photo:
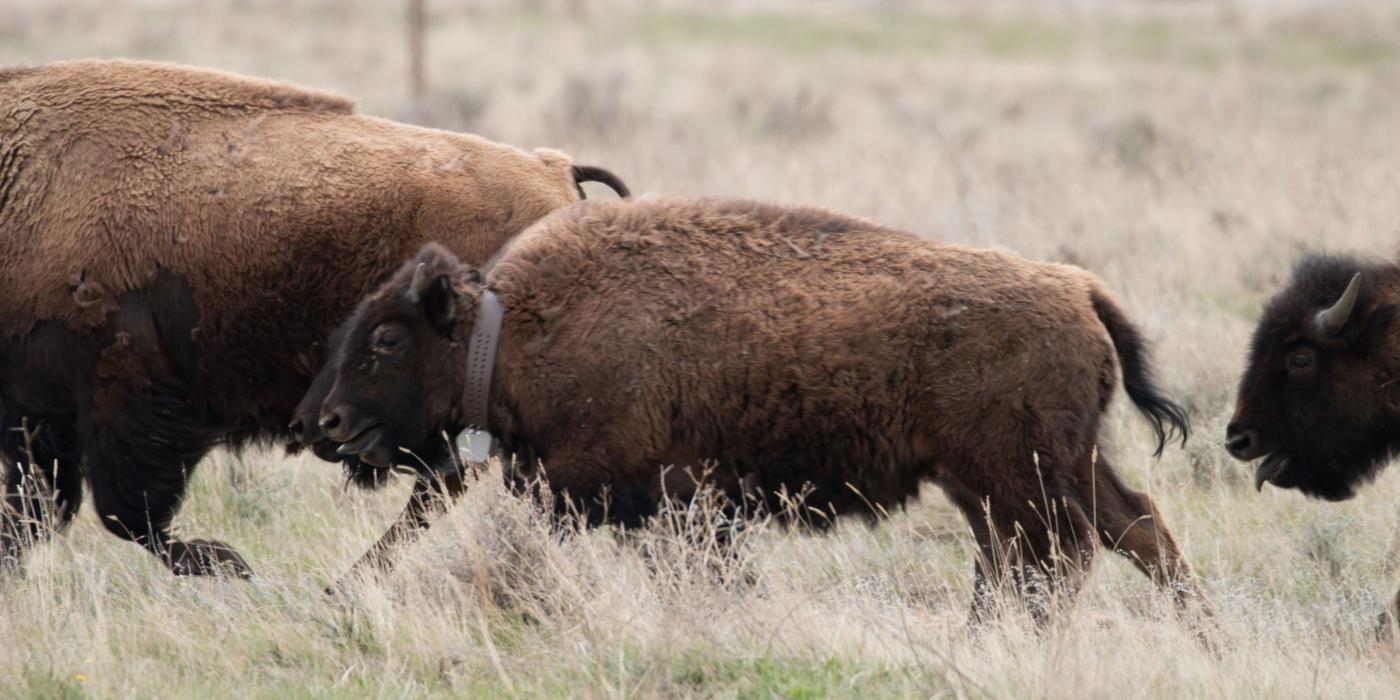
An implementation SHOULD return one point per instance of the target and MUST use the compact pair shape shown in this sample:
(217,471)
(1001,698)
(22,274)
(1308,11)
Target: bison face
(1315,403)
(398,370)
(305,427)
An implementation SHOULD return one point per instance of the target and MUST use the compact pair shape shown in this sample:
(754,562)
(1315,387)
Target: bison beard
(177,243)
(1334,469)
(800,351)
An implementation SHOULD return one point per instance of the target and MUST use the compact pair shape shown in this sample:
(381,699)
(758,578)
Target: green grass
(796,678)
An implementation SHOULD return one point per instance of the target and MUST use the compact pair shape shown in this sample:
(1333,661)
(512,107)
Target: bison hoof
(1385,626)
(336,590)
(207,558)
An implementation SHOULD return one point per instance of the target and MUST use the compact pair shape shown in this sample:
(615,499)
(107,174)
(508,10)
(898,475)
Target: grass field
(1186,153)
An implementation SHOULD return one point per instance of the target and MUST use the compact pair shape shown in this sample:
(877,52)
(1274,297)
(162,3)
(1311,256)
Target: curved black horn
(419,283)
(1332,319)
(589,173)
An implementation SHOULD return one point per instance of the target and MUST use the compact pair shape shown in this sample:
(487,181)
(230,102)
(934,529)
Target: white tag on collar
(474,445)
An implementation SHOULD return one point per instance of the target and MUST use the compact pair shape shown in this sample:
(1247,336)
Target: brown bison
(176,244)
(649,348)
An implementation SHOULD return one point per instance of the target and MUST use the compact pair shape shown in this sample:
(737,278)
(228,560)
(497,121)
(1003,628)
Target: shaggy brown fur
(768,351)
(178,242)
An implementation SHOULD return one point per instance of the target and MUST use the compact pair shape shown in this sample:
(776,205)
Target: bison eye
(387,338)
(1302,359)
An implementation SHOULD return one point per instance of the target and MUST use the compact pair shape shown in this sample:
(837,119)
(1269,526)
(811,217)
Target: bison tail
(588,173)
(1167,417)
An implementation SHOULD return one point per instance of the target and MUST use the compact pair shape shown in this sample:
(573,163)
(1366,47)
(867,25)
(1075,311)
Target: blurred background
(1187,152)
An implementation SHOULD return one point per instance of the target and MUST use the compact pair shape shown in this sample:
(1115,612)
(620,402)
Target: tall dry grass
(1188,154)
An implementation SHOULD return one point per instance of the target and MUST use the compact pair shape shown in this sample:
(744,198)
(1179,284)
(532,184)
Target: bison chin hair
(1336,470)
(361,474)
(365,475)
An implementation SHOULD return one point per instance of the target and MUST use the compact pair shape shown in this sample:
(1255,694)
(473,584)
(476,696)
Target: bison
(1318,402)
(1314,402)
(649,349)
(177,243)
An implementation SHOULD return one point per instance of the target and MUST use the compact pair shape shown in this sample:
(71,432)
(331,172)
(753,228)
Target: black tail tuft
(589,173)
(1167,417)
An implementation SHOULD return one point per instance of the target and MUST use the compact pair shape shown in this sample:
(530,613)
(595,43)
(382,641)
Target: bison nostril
(1240,444)
(330,421)
(297,428)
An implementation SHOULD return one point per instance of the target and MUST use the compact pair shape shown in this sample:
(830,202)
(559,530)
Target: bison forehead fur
(770,351)
(178,242)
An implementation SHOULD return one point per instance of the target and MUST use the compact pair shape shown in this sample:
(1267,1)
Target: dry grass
(1187,154)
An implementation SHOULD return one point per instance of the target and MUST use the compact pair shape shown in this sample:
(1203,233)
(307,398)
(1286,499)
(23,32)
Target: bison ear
(1376,327)
(438,300)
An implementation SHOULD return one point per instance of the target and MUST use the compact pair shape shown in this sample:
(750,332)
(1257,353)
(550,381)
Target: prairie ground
(1186,153)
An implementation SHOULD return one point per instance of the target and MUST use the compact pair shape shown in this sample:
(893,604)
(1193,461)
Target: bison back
(790,348)
(275,206)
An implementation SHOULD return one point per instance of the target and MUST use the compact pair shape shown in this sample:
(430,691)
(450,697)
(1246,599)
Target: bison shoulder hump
(205,86)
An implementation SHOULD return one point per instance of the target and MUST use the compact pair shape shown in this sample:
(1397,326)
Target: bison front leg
(432,495)
(43,483)
(141,448)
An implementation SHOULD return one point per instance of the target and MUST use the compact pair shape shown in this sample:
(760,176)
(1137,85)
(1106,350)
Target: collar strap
(481,359)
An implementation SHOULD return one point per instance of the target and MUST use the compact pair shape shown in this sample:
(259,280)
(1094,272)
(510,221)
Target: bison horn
(1331,320)
(419,283)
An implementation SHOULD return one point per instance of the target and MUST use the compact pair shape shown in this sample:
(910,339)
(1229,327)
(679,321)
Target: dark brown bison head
(1317,402)
(399,366)
(306,429)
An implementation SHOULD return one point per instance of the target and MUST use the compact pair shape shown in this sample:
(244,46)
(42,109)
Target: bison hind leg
(1129,523)
(1033,545)
(43,482)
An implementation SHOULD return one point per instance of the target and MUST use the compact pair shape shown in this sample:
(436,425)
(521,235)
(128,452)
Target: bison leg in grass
(139,460)
(1128,523)
(1040,537)
(432,495)
(1035,539)
(43,483)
